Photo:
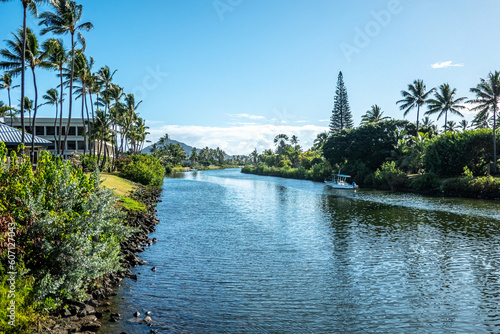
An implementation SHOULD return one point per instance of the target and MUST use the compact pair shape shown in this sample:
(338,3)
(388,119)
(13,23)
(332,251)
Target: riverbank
(388,178)
(87,316)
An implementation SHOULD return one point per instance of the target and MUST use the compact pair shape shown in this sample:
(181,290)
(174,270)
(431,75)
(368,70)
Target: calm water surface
(242,253)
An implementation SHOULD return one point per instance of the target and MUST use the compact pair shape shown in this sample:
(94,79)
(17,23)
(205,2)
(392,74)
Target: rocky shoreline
(86,317)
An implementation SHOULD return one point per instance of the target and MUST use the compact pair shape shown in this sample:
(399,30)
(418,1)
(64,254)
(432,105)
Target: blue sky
(234,73)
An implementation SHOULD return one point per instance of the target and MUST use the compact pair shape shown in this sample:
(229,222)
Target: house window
(71,145)
(72,131)
(80,131)
(81,145)
(63,130)
(50,130)
(51,147)
(40,131)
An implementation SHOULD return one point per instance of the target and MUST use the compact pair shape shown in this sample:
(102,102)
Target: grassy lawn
(122,188)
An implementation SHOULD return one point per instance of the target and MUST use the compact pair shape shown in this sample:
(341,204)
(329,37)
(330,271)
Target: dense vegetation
(398,154)
(67,228)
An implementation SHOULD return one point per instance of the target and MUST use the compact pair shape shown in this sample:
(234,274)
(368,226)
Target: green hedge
(448,154)
(318,172)
(143,168)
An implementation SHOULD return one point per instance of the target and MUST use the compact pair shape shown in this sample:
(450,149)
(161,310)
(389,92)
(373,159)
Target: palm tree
(52,98)
(4,109)
(57,58)
(416,96)
(6,80)
(373,115)
(255,157)
(463,124)
(35,58)
(320,141)
(82,71)
(129,116)
(194,157)
(66,19)
(280,140)
(31,5)
(445,102)
(487,98)
(28,106)
(101,134)
(451,125)
(115,93)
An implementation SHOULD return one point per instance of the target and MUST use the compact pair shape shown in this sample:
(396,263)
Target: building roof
(13,136)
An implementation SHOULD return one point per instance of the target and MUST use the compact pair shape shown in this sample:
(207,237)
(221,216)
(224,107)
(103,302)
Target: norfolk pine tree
(341,114)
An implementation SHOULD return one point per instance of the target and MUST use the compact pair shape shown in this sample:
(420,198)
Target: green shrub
(320,171)
(448,154)
(427,181)
(483,187)
(27,310)
(68,226)
(145,169)
(390,177)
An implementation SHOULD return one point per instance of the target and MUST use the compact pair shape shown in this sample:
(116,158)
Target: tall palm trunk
(418,116)
(55,122)
(23,70)
(88,128)
(34,118)
(445,120)
(495,164)
(59,148)
(70,89)
(84,97)
(92,147)
(10,104)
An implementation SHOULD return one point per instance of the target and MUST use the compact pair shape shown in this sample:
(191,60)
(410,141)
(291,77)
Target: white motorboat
(339,181)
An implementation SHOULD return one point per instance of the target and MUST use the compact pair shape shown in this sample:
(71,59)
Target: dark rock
(136,314)
(66,313)
(153,269)
(90,325)
(93,303)
(155,240)
(141,263)
(147,313)
(73,309)
(115,315)
(134,277)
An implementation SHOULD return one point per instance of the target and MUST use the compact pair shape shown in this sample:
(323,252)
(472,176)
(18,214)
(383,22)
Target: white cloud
(246,116)
(445,64)
(236,139)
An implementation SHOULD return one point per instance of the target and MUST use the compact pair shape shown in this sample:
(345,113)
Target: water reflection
(246,254)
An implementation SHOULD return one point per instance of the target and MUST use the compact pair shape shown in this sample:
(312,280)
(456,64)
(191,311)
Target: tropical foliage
(68,227)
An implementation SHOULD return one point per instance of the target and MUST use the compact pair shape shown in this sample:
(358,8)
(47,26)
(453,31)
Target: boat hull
(341,186)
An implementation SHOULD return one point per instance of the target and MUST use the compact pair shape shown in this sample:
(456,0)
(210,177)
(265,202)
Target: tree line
(112,117)
(399,146)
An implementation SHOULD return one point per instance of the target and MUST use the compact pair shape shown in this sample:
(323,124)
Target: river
(240,253)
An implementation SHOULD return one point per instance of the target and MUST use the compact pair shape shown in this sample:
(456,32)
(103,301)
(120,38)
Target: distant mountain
(188,149)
